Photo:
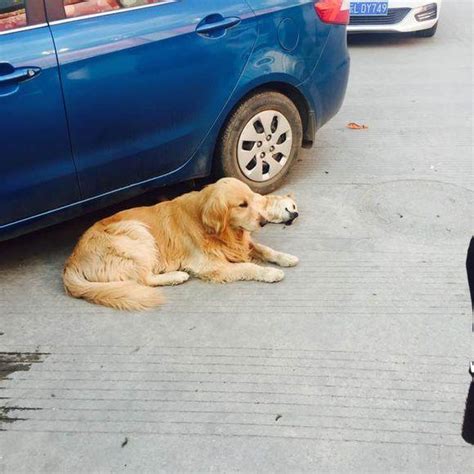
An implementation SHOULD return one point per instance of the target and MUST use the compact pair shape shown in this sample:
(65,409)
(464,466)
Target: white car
(394,16)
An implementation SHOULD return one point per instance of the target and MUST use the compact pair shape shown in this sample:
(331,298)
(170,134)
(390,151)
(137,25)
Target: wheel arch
(307,115)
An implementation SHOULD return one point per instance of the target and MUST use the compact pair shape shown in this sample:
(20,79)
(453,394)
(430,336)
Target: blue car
(101,100)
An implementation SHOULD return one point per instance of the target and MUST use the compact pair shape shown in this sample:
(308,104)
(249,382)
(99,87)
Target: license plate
(369,8)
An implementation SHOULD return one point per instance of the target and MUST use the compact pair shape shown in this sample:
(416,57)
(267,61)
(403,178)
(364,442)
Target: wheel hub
(264,146)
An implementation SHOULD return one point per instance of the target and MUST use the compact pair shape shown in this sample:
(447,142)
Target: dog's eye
(244,204)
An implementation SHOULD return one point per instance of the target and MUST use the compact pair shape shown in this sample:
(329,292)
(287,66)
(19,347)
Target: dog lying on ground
(119,260)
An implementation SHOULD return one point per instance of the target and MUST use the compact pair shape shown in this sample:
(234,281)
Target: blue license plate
(369,8)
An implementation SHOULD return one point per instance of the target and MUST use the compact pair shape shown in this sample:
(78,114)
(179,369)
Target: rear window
(12,14)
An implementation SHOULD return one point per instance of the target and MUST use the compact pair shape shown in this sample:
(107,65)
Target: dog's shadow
(49,243)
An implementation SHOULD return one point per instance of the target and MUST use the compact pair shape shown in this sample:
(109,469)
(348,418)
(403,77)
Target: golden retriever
(206,234)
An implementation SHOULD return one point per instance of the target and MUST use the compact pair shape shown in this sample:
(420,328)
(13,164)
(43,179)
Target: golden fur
(119,260)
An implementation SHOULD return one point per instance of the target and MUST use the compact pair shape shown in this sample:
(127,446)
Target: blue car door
(37,172)
(144,81)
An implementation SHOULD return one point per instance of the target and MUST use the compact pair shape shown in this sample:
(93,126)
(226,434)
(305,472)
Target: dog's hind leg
(136,244)
(165,279)
(266,254)
(131,254)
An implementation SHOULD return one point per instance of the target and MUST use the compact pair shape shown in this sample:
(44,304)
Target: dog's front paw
(272,275)
(287,260)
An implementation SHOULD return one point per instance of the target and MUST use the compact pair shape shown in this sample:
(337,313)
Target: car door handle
(19,75)
(213,23)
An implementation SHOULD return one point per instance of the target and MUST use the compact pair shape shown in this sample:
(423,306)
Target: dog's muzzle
(293,216)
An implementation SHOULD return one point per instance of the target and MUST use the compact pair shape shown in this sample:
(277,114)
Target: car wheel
(260,141)
(427,33)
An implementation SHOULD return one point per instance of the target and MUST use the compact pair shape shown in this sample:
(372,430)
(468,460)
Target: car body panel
(36,166)
(409,23)
(294,27)
(326,87)
(323,90)
(131,71)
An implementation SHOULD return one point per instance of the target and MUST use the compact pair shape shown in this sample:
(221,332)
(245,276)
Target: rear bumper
(325,89)
(404,17)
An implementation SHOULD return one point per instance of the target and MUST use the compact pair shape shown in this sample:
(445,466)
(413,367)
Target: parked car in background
(101,100)
(419,17)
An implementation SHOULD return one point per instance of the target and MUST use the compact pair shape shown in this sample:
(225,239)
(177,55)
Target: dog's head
(231,203)
(280,209)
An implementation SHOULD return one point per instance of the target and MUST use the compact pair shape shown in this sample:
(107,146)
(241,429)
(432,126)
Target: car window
(76,8)
(12,14)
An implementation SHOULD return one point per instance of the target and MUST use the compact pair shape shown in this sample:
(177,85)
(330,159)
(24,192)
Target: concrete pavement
(356,362)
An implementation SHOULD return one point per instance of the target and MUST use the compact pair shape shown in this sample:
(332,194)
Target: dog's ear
(215,214)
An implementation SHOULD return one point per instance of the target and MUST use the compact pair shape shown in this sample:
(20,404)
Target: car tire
(430,32)
(267,126)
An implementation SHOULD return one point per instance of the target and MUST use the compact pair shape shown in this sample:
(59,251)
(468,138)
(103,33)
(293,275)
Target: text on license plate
(369,8)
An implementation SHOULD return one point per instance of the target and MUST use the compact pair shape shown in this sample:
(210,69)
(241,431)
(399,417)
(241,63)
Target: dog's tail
(126,295)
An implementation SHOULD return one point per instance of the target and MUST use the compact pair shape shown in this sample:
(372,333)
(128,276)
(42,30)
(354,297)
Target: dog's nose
(293,216)
(263,222)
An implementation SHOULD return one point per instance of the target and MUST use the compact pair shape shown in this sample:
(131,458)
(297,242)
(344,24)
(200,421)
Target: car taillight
(333,11)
